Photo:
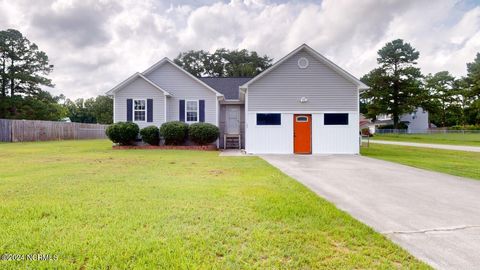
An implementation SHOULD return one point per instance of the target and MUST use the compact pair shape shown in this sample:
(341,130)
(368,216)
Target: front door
(233,120)
(302,133)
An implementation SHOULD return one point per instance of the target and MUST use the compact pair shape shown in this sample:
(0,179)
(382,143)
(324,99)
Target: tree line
(223,63)
(24,71)
(397,86)
(23,79)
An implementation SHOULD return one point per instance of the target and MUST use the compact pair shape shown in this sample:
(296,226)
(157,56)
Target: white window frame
(133,110)
(198,110)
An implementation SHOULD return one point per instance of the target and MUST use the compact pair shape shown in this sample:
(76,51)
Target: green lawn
(95,207)
(472,139)
(458,163)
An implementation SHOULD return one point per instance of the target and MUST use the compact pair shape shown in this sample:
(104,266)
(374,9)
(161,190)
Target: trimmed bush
(174,132)
(466,127)
(203,133)
(150,135)
(366,132)
(401,125)
(123,133)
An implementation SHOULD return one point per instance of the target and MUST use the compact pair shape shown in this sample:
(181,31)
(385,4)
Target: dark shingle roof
(228,86)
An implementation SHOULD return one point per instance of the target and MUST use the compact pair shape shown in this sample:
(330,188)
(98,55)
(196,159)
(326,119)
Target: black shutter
(129,109)
(149,110)
(181,109)
(201,104)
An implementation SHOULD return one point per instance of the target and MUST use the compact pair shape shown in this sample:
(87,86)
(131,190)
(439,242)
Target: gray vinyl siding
(140,89)
(182,86)
(282,88)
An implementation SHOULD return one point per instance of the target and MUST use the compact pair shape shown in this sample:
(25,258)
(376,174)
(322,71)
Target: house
(417,121)
(365,124)
(302,104)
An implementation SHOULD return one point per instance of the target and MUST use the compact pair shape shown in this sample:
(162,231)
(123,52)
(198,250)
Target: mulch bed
(168,147)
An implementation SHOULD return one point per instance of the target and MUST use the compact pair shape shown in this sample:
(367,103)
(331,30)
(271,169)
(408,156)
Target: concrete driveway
(436,217)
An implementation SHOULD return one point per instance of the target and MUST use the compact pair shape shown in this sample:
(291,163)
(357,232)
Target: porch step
(232,142)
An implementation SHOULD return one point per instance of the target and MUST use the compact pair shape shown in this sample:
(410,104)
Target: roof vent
(302,62)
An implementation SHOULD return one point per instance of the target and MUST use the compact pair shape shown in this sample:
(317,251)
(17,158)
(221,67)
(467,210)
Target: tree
(395,86)
(92,110)
(42,106)
(101,108)
(193,61)
(462,99)
(441,88)
(473,75)
(23,71)
(23,65)
(77,111)
(471,84)
(223,63)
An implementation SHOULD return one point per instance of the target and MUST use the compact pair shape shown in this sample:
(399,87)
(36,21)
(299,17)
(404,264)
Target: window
(139,109)
(335,119)
(269,119)
(302,119)
(191,111)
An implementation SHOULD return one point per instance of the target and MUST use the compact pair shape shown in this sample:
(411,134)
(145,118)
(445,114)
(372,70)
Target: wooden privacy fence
(34,130)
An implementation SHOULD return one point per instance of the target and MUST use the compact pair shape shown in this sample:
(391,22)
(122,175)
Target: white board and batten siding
(335,139)
(139,89)
(280,91)
(325,139)
(183,87)
(269,139)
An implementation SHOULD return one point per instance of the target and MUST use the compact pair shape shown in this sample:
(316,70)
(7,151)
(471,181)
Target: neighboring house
(416,121)
(303,104)
(366,123)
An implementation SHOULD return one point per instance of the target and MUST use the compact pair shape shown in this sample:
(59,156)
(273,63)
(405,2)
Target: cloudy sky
(94,44)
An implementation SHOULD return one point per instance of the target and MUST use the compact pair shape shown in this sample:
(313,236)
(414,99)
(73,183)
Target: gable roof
(166,60)
(133,77)
(228,86)
(319,57)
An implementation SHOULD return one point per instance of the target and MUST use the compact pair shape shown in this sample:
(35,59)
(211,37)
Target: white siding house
(417,121)
(305,85)
(303,104)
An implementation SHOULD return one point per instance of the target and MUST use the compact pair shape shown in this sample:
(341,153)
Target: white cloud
(96,44)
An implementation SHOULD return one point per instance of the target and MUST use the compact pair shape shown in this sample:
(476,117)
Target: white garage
(304,104)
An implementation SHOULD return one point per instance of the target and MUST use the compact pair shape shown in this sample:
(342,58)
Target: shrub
(401,125)
(366,132)
(150,135)
(123,133)
(466,127)
(174,133)
(203,133)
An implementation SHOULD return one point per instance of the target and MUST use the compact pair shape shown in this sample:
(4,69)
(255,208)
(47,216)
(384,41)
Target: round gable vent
(302,62)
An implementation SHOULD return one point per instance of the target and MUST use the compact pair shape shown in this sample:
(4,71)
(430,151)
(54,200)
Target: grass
(95,207)
(459,163)
(472,139)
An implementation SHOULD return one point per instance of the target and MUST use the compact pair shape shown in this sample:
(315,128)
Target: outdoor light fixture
(303,100)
